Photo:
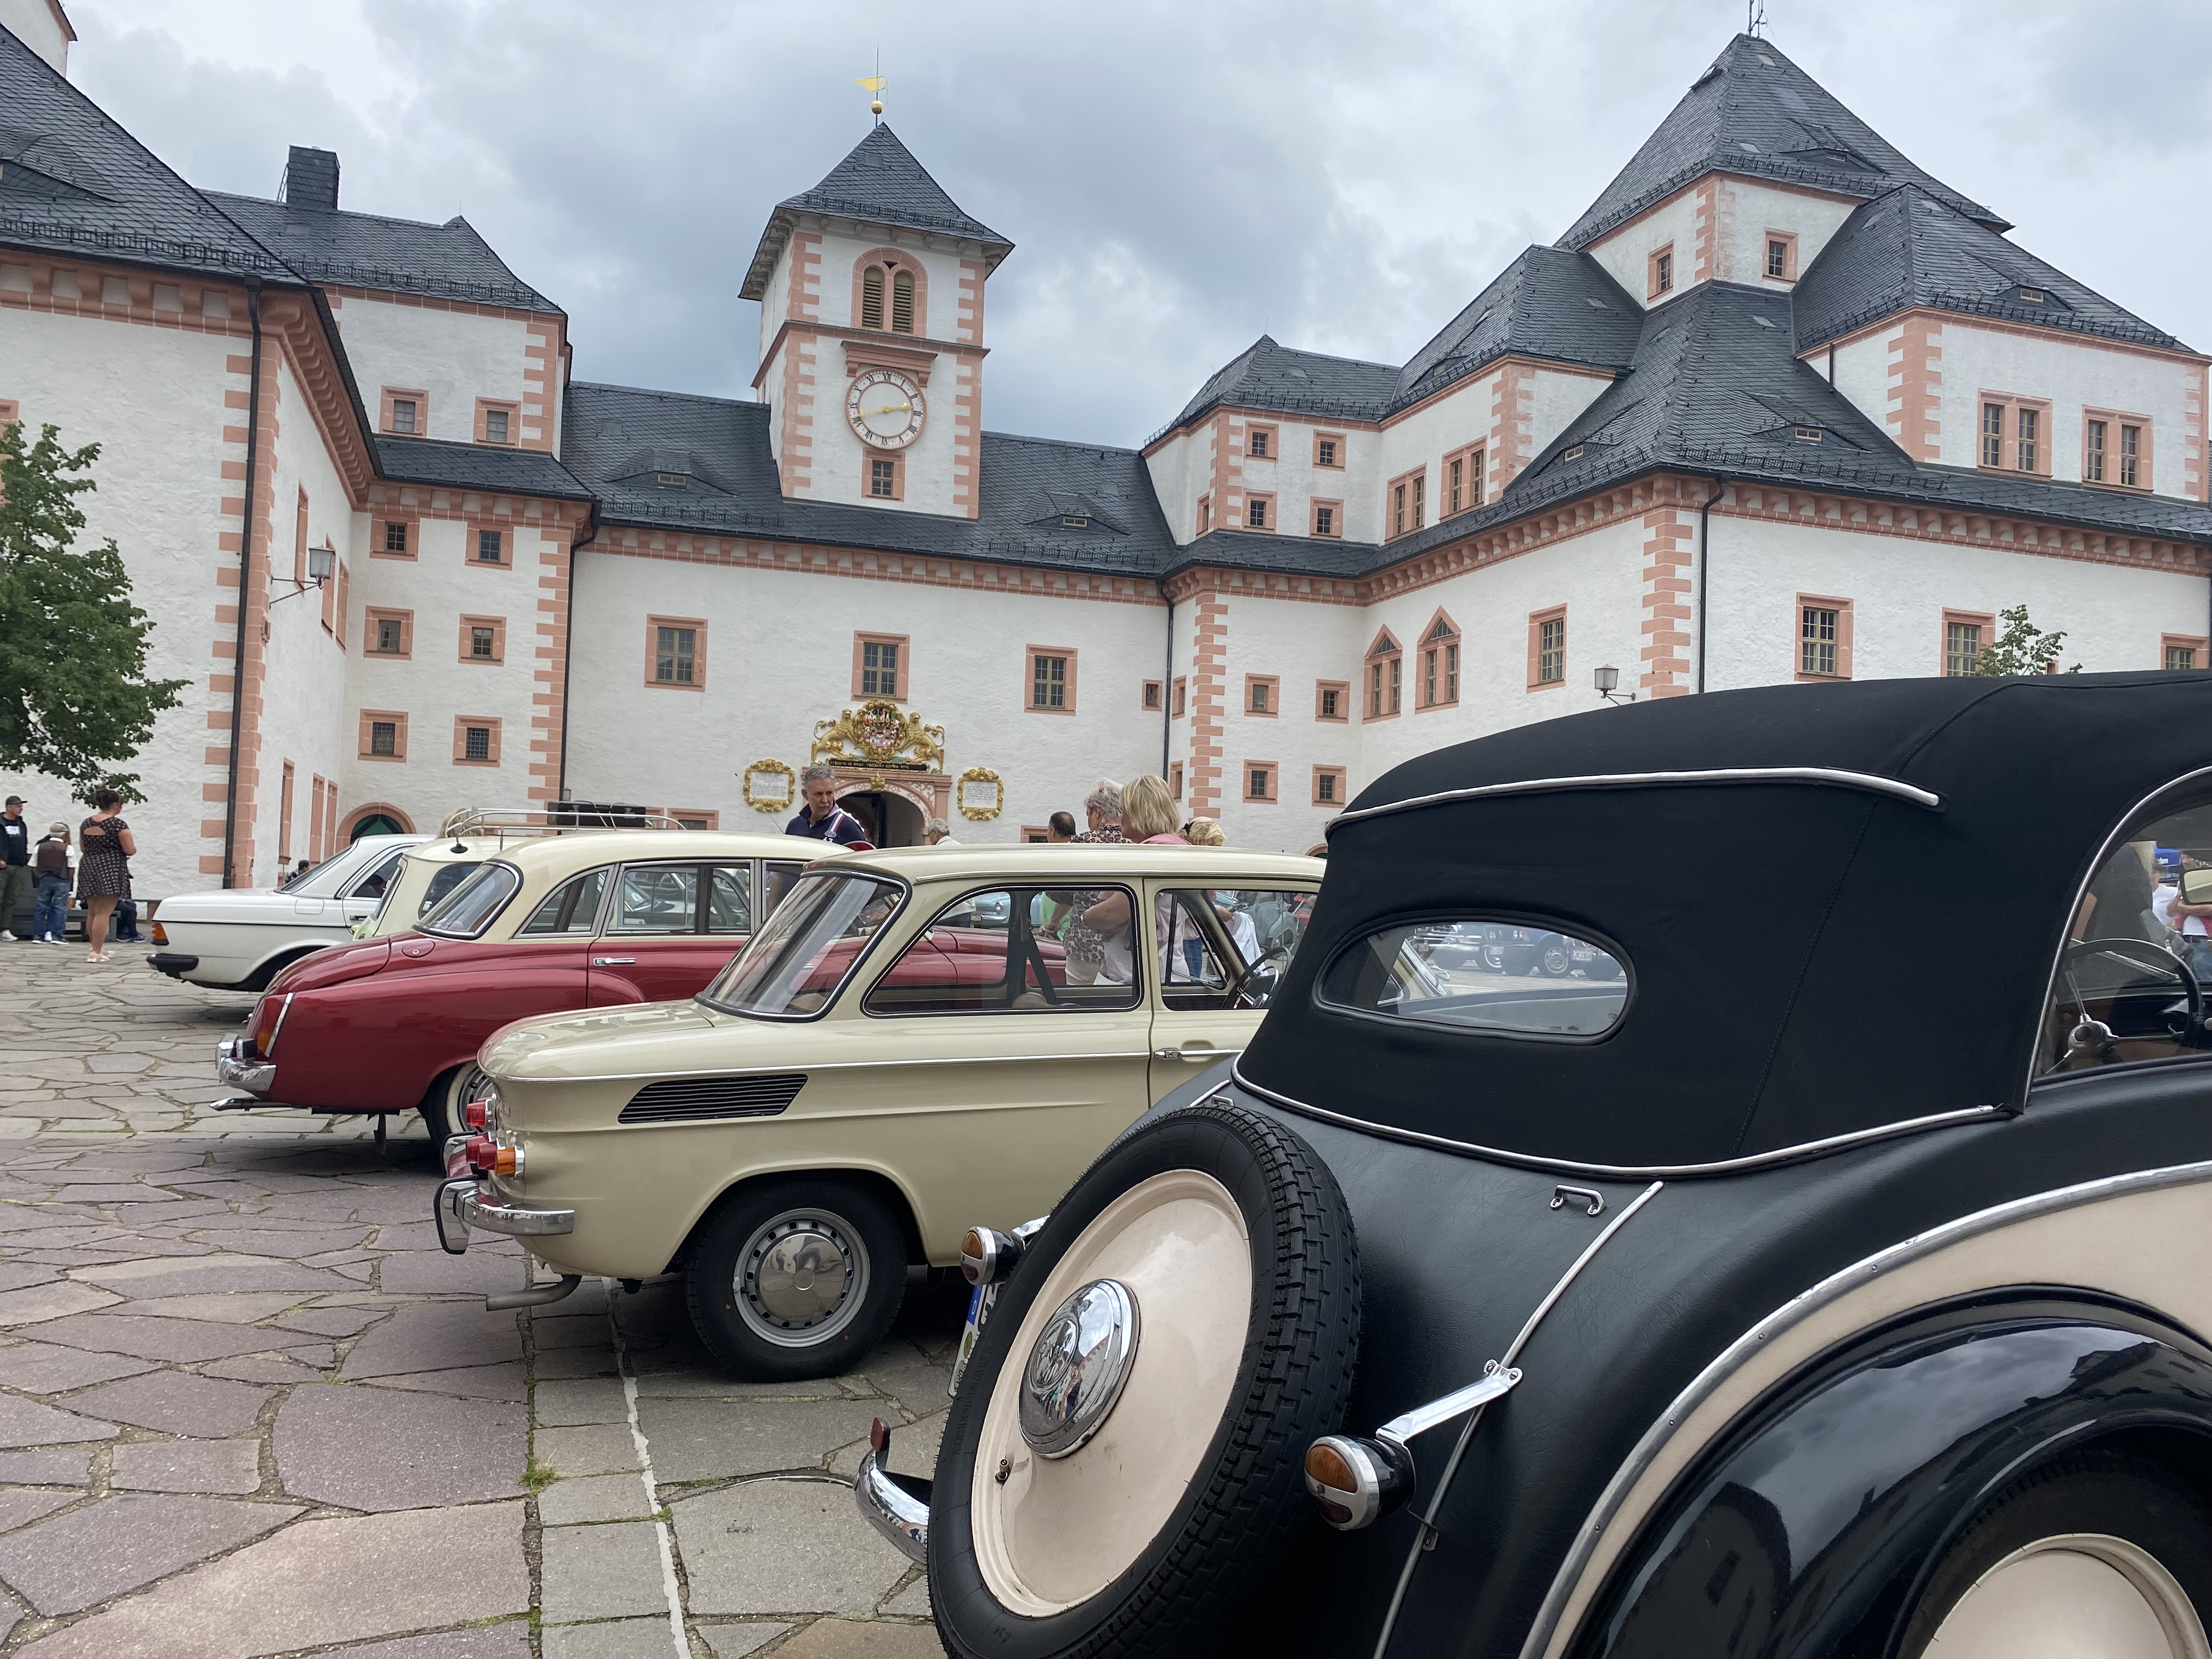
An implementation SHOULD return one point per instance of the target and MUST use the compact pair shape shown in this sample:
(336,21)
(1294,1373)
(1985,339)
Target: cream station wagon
(916,1039)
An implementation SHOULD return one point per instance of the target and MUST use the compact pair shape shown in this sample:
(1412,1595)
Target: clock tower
(870,288)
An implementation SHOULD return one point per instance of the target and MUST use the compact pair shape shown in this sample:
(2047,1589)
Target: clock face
(885,409)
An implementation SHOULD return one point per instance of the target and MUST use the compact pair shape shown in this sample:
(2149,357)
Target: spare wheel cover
(1228,1235)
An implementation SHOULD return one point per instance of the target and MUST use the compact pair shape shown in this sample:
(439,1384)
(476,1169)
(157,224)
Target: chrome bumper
(233,1071)
(461,1203)
(896,1505)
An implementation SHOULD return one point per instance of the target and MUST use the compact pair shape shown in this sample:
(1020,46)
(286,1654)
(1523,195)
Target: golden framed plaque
(771,785)
(980,794)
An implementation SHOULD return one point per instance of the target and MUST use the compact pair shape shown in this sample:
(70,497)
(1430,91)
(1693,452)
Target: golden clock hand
(890,408)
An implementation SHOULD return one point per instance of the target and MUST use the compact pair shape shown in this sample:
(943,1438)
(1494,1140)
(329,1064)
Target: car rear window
(443,882)
(808,949)
(1483,976)
(466,911)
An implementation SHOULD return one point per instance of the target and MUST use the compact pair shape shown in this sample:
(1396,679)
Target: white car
(239,940)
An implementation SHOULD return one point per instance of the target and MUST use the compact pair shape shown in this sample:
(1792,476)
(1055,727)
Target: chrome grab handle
(613,962)
(1497,1380)
(1196,1053)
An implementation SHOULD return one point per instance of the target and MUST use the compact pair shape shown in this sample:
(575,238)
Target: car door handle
(613,962)
(1195,1054)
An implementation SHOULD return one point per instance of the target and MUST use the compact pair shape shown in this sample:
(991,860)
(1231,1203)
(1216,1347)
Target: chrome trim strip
(277,1030)
(1834,777)
(842,1066)
(481,1209)
(1422,1539)
(891,1509)
(1621,1171)
(1792,1312)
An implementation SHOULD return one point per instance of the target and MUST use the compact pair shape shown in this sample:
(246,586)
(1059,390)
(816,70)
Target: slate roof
(1269,376)
(882,184)
(618,439)
(1548,303)
(1910,248)
(1755,112)
(73,181)
(399,256)
(476,466)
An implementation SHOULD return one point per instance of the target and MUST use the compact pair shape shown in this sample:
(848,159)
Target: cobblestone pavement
(248,1408)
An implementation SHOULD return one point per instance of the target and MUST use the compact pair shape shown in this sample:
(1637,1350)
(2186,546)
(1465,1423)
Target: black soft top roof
(1807,957)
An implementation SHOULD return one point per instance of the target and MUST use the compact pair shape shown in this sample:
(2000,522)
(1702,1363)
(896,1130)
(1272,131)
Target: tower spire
(875,84)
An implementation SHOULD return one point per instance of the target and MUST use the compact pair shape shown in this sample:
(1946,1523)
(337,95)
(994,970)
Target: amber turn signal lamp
(507,1161)
(475,1112)
(1354,1482)
(161,934)
(987,1255)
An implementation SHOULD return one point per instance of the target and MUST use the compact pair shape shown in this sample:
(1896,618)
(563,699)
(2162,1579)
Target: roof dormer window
(671,480)
(1572,454)
(1806,434)
(1073,521)
(2031,296)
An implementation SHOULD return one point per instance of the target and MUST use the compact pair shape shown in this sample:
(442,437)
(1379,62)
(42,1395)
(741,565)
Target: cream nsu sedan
(917,1041)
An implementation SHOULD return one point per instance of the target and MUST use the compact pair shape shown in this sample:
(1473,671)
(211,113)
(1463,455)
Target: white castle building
(1780,404)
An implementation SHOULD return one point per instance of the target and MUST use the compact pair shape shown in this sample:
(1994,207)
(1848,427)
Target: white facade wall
(1746,211)
(2112,616)
(1864,374)
(1176,468)
(779,658)
(937,311)
(2073,374)
(454,357)
(1300,643)
(1555,397)
(303,714)
(36,24)
(153,399)
(1625,254)
(1421,436)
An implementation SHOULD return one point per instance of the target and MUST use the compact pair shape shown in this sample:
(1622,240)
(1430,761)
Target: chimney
(311,179)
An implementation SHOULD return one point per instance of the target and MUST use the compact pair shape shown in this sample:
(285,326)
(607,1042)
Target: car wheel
(1556,959)
(796,1277)
(1111,1510)
(1494,958)
(448,1096)
(2100,1554)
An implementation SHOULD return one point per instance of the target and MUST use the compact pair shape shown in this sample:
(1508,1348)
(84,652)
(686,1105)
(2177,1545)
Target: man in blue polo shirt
(822,817)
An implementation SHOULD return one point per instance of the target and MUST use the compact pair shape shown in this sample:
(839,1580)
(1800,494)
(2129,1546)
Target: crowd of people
(41,873)
(1140,811)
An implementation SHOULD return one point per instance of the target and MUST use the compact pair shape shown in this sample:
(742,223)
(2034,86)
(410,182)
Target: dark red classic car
(579,921)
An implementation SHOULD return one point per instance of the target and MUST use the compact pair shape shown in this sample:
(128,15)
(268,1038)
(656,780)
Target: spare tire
(1163,1524)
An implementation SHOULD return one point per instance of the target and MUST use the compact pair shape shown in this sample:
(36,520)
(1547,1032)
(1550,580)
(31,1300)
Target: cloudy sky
(1178,175)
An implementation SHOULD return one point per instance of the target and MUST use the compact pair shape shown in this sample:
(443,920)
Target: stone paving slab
(65,1565)
(192,1466)
(783,1547)
(610,1571)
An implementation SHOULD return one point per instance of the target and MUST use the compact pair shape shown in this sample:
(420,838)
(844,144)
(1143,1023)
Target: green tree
(2022,648)
(74,700)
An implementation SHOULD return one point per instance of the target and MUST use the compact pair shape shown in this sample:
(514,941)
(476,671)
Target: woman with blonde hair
(1205,832)
(1148,811)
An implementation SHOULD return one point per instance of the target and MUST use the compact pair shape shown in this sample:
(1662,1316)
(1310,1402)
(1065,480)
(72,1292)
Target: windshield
(795,964)
(1495,978)
(469,909)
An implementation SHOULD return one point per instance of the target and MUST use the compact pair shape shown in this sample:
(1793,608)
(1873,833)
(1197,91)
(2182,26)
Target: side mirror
(2196,887)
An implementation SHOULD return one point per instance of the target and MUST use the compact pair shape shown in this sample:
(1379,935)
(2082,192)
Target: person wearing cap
(50,859)
(14,864)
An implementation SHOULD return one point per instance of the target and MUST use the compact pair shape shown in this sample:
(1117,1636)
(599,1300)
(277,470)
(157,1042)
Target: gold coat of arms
(879,733)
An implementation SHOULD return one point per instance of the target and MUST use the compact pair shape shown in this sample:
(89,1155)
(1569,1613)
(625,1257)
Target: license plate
(980,1303)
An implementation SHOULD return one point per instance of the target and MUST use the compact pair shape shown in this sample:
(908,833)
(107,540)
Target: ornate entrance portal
(890,770)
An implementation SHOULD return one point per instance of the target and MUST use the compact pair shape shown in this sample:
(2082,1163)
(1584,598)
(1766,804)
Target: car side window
(730,898)
(1226,948)
(1481,976)
(571,908)
(2134,977)
(780,874)
(657,898)
(372,885)
(1002,951)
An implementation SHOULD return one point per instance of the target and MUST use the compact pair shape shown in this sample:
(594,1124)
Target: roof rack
(558,818)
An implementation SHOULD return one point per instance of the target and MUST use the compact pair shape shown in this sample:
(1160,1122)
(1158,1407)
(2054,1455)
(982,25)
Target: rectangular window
(284,819)
(1328,450)
(491,547)
(1777,257)
(2093,452)
(1823,638)
(1397,683)
(882,476)
(1547,649)
(674,655)
(2131,457)
(387,635)
(1048,682)
(395,538)
(1964,633)
(1256,512)
(2030,429)
(475,740)
(1328,786)
(1420,488)
(1375,691)
(1660,273)
(477,745)
(1259,781)
(1204,515)
(1398,511)
(1993,426)
(2179,652)
(1781,261)
(1182,698)
(496,422)
(494,433)
(880,665)
(1260,437)
(384,737)
(390,633)
(1330,699)
(481,645)
(1451,672)
(1324,519)
(1051,673)
(1260,694)
(1151,698)
(1175,780)
(1458,485)
(403,415)
(1428,677)
(2012,436)
(406,412)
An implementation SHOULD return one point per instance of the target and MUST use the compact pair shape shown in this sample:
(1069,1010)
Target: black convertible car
(1837,1280)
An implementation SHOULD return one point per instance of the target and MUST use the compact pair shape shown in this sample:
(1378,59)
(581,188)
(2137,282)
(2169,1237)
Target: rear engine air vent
(678,1099)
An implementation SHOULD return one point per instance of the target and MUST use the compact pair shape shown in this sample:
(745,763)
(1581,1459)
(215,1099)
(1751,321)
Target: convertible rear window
(469,909)
(796,964)
(1478,975)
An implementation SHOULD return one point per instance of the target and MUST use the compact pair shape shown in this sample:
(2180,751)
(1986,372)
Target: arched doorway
(377,824)
(889,818)
(376,817)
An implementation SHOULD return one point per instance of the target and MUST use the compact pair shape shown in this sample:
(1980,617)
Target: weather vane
(875,84)
(1754,14)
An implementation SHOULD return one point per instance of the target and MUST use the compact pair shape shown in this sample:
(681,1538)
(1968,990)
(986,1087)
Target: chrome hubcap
(802,1277)
(1076,1367)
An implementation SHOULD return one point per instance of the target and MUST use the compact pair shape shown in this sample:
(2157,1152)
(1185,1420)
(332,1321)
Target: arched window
(1439,663)
(871,297)
(902,303)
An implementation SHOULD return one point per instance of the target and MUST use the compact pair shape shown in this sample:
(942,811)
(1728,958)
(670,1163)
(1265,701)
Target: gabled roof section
(1549,303)
(73,181)
(398,256)
(1028,486)
(477,467)
(1909,248)
(880,183)
(1271,376)
(1756,113)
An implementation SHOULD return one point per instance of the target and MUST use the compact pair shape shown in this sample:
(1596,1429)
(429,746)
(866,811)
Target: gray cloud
(1177,178)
